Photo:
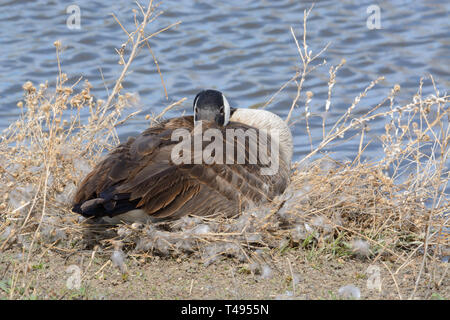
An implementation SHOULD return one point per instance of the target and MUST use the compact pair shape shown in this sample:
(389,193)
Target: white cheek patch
(226,110)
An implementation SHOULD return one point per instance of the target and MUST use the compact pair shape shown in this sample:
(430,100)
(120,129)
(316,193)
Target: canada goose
(139,181)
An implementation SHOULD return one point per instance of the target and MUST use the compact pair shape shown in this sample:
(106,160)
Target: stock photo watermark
(73,22)
(374,19)
(74,280)
(236,150)
(374,279)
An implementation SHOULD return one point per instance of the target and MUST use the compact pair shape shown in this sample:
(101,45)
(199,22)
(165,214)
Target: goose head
(211,105)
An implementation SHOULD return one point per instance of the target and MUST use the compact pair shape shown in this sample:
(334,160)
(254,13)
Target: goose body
(139,181)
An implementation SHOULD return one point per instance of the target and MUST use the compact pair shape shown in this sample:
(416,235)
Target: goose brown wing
(118,182)
(141,174)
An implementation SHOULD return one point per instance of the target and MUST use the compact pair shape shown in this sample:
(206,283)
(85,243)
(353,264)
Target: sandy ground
(315,277)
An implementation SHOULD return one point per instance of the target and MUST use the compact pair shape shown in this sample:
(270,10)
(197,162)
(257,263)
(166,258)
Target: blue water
(243,48)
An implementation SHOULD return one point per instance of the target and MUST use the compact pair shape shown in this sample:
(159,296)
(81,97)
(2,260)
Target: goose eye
(221,109)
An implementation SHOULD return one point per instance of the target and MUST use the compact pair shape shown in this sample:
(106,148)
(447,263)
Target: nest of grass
(45,153)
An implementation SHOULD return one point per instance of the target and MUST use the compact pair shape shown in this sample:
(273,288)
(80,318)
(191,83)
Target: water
(243,48)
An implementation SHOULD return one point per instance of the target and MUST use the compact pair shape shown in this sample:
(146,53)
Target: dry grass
(394,209)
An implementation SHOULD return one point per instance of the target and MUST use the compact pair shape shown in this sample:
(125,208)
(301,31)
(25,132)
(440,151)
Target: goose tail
(90,208)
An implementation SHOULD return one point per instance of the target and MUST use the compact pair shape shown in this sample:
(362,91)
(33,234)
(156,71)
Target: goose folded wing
(141,174)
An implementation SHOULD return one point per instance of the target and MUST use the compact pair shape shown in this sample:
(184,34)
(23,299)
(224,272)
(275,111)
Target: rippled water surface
(243,48)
